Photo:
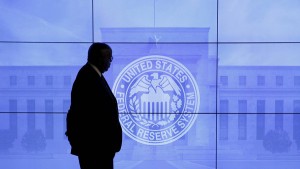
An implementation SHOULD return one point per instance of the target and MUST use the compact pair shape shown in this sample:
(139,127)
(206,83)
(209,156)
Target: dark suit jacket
(92,121)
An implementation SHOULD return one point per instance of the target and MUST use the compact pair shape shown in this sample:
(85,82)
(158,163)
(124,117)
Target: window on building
(13,106)
(296,106)
(260,119)
(296,120)
(296,127)
(242,119)
(224,80)
(260,80)
(12,80)
(66,105)
(49,121)
(31,114)
(49,80)
(67,80)
(297,81)
(279,114)
(30,80)
(242,80)
(279,80)
(242,126)
(4,125)
(13,109)
(223,120)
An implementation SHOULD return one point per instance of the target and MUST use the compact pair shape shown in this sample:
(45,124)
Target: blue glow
(249,84)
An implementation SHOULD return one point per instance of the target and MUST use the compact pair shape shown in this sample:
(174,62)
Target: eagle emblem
(158,99)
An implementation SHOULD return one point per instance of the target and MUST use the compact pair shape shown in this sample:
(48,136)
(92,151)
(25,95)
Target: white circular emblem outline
(193,114)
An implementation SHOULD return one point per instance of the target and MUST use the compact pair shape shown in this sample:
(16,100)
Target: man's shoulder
(85,68)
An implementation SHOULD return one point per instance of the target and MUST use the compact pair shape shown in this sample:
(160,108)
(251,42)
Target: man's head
(100,55)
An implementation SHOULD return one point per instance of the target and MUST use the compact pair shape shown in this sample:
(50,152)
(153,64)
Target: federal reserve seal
(158,100)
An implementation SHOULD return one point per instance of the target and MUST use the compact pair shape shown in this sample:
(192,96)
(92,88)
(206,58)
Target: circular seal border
(194,83)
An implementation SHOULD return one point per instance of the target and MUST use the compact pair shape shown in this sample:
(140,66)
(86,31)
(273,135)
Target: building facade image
(238,105)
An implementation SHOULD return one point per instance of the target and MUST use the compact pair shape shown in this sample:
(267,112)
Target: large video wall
(200,84)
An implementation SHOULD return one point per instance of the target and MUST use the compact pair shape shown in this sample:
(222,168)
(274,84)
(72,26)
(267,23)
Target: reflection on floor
(160,164)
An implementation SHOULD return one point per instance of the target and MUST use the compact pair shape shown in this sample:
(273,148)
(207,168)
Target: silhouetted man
(93,127)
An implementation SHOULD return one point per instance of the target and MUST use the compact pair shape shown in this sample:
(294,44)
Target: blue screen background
(243,55)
